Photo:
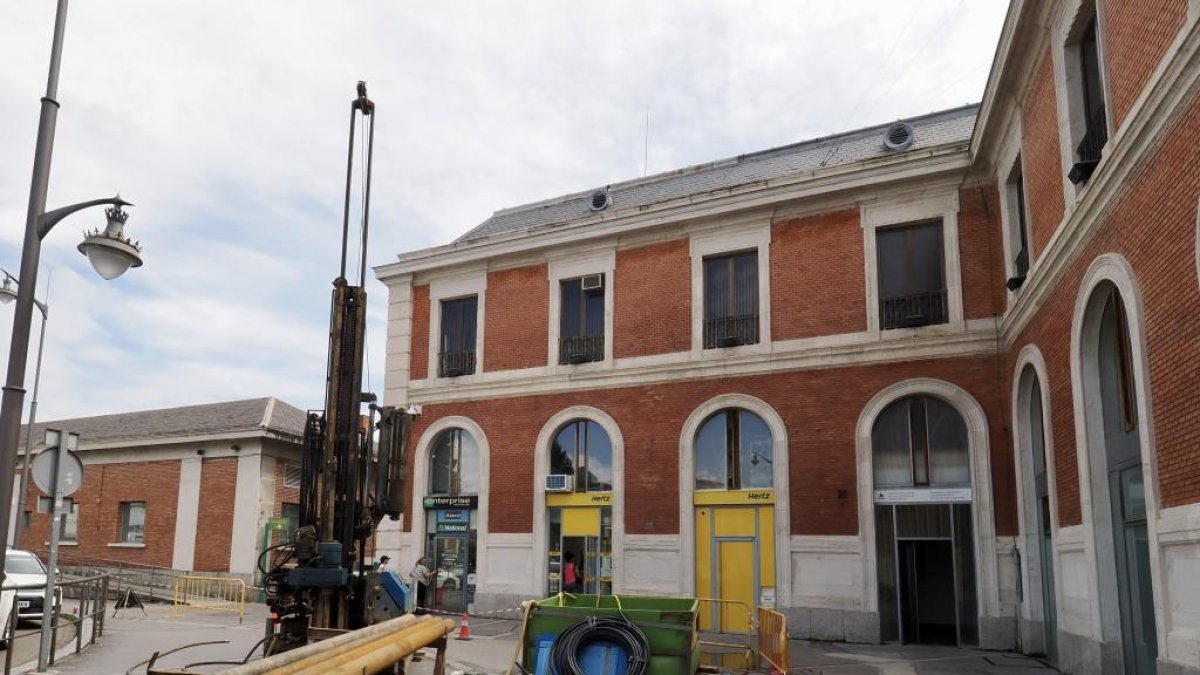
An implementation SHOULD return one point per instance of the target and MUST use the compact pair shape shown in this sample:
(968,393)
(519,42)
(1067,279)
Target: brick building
(931,381)
(189,488)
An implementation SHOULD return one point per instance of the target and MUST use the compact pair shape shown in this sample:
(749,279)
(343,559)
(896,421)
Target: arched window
(582,449)
(734,451)
(454,464)
(920,440)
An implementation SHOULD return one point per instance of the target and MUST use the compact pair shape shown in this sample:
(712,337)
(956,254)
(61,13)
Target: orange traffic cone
(464,629)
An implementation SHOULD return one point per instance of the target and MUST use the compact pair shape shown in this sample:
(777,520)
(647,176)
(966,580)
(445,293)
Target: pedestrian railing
(81,607)
(222,594)
(772,640)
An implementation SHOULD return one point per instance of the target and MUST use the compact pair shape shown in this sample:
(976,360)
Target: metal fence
(222,594)
(772,640)
(86,599)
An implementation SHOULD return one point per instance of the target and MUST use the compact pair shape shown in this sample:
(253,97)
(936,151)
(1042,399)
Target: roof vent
(899,136)
(599,201)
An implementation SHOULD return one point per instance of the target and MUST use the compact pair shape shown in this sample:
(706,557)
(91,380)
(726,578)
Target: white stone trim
(781,486)
(911,210)
(541,467)
(596,262)
(449,288)
(420,488)
(1085,327)
(246,531)
(398,354)
(732,238)
(187,513)
(1030,360)
(1012,160)
(987,588)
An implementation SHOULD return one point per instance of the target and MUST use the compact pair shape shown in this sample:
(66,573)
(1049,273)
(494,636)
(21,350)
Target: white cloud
(226,123)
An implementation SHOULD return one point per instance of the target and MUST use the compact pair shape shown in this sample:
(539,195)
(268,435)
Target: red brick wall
(1042,156)
(981,251)
(105,486)
(517,313)
(1155,229)
(819,407)
(418,359)
(652,297)
(817,277)
(1138,33)
(218,482)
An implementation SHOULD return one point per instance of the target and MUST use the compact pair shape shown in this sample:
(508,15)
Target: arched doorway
(1121,498)
(579,510)
(924,525)
(451,507)
(1036,484)
(734,515)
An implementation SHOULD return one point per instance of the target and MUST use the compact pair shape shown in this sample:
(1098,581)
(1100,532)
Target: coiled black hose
(564,655)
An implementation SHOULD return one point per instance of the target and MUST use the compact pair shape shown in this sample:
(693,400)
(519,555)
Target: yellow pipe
(411,639)
(324,647)
(322,660)
(391,653)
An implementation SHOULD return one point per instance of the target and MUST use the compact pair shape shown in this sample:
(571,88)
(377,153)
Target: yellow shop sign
(704,497)
(579,499)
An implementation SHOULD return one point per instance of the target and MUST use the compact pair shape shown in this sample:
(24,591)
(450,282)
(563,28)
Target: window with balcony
(912,280)
(1018,227)
(1089,117)
(456,355)
(581,320)
(731,300)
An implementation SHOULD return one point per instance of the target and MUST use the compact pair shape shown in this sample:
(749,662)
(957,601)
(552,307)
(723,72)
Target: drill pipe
(325,647)
(381,654)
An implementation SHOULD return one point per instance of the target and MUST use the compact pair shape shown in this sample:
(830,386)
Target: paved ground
(132,637)
(23,652)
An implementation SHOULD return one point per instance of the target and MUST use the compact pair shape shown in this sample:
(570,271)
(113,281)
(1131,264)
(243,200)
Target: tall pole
(49,611)
(19,528)
(13,401)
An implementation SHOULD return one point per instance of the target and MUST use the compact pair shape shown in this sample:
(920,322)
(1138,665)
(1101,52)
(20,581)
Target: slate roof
(935,129)
(267,414)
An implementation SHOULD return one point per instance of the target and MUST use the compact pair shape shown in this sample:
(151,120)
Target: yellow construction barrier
(773,639)
(221,594)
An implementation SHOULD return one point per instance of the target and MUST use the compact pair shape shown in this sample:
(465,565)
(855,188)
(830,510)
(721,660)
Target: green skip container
(670,625)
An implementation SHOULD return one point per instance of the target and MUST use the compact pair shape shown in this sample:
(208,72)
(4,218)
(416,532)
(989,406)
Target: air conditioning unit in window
(592,282)
(560,482)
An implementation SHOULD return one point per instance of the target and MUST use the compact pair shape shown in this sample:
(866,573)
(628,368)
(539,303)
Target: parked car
(26,572)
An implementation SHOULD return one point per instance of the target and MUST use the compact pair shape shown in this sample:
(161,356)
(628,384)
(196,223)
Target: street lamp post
(7,295)
(109,252)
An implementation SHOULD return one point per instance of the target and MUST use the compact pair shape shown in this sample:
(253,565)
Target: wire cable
(572,641)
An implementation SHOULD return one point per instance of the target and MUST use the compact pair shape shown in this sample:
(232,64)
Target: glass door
(449,559)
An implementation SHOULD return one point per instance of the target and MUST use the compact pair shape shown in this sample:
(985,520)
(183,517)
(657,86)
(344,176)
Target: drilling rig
(321,582)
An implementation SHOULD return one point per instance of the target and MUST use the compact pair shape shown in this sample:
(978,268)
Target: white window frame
(1012,158)
(572,267)
(450,288)
(1067,26)
(899,212)
(732,238)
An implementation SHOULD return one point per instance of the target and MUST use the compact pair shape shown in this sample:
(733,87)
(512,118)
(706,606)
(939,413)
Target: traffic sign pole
(60,445)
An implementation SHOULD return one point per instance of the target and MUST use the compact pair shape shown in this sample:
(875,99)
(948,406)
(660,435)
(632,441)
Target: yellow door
(735,562)
(737,583)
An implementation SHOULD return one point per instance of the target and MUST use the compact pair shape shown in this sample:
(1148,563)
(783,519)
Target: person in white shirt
(419,576)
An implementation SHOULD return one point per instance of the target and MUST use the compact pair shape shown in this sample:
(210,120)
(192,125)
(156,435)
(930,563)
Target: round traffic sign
(70,472)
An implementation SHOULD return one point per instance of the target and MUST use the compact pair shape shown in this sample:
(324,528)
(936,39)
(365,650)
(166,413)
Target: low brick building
(189,488)
(929,381)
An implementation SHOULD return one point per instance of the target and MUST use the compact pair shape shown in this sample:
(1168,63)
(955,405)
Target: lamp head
(7,292)
(110,251)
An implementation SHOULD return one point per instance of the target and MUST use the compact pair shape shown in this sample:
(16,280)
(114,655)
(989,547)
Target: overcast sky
(225,121)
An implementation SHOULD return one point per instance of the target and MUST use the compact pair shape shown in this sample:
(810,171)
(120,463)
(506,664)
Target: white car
(25,571)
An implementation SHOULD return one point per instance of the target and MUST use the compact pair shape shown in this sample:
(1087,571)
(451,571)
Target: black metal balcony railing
(910,311)
(581,348)
(454,364)
(731,331)
(1090,148)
